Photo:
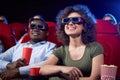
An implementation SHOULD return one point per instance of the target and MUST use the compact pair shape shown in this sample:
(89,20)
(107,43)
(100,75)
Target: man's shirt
(40,52)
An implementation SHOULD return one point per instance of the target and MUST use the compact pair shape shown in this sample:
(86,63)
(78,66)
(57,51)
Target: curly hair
(88,33)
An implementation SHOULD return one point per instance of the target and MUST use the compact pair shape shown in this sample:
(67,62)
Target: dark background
(21,11)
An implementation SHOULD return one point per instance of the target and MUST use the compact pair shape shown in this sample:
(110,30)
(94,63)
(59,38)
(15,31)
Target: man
(1,47)
(109,17)
(13,65)
(3,19)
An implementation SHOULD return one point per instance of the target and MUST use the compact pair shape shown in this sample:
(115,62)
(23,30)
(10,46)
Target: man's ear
(47,33)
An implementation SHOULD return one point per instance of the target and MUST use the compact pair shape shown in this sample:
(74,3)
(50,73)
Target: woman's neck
(76,42)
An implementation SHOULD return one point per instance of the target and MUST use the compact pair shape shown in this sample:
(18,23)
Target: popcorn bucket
(108,72)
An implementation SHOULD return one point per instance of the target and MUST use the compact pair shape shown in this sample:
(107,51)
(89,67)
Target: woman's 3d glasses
(75,20)
(38,26)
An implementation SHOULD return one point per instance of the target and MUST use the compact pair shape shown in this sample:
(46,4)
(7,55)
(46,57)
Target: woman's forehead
(74,14)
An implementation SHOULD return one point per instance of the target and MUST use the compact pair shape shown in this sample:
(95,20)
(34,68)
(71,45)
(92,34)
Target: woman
(81,56)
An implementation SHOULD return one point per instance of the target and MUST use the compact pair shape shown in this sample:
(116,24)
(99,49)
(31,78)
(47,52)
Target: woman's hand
(73,72)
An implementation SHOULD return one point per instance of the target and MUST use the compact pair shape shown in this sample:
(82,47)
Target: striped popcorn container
(108,72)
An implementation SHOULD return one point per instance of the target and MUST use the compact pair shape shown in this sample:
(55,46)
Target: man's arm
(14,70)
(41,60)
(6,58)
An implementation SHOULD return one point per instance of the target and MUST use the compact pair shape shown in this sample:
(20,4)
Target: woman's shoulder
(61,49)
(95,44)
(96,49)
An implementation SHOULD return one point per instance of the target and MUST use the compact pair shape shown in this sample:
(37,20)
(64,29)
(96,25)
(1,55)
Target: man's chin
(36,40)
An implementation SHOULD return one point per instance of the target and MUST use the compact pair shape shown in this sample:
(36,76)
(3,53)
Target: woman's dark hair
(88,33)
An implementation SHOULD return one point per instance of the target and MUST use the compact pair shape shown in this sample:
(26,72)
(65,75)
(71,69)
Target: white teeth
(35,34)
(72,28)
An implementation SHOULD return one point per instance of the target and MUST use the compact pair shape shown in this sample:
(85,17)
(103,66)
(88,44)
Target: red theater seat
(52,33)
(25,25)
(18,29)
(51,37)
(6,36)
(107,35)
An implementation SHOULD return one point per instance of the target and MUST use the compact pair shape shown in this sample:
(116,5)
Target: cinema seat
(6,36)
(52,33)
(25,25)
(51,37)
(107,35)
(18,29)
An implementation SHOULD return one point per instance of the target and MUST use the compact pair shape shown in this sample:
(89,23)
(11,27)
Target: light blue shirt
(40,52)
(1,47)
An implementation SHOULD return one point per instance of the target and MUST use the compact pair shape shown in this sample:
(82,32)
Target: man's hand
(10,74)
(16,64)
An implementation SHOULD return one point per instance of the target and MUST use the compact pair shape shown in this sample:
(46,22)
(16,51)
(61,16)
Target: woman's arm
(50,68)
(95,73)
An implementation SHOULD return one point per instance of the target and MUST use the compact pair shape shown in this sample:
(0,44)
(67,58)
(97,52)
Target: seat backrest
(51,37)
(107,35)
(25,25)
(18,29)
(6,36)
(106,27)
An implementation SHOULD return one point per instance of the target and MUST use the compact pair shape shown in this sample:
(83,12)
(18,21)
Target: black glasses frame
(38,26)
(75,20)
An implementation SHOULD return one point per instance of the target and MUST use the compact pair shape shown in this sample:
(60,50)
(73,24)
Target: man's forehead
(107,17)
(36,17)
(1,18)
(37,21)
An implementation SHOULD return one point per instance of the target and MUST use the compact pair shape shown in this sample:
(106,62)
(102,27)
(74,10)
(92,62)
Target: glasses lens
(41,26)
(77,20)
(1,20)
(65,20)
(111,21)
(32,26)
(38,26)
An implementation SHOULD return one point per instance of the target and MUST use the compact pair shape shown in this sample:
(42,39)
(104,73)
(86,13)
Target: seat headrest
(103,26)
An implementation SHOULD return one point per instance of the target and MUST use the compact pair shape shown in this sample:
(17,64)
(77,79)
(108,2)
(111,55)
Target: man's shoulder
(20,44)
(51,43)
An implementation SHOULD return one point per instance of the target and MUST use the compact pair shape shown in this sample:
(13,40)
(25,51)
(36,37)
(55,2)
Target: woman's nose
(70,23)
